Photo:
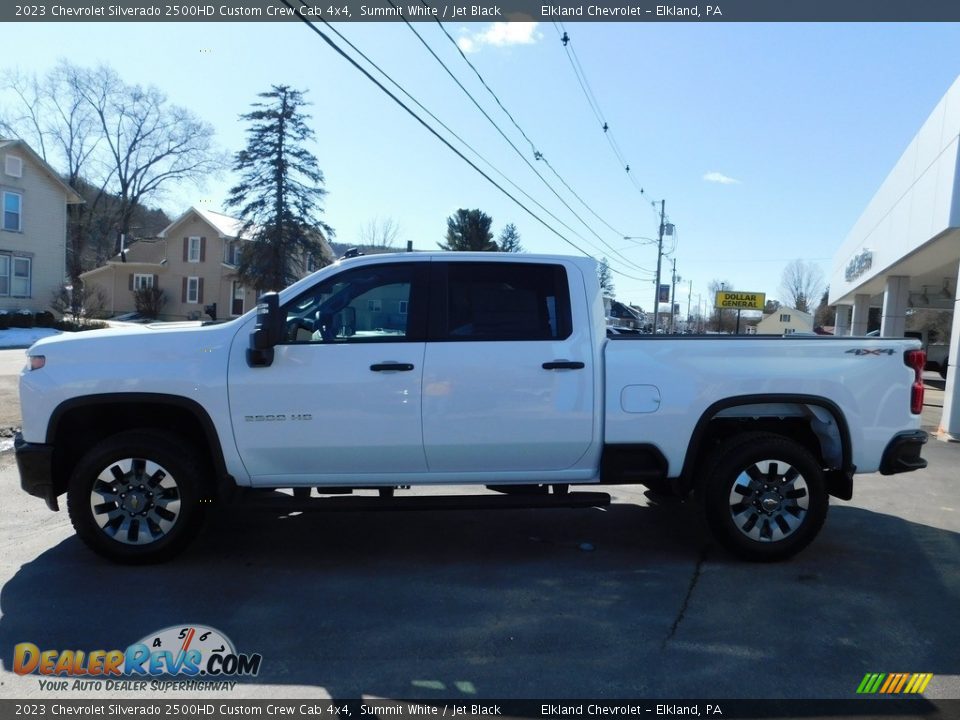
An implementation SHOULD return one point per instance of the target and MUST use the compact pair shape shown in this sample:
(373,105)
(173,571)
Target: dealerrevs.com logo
(195,651)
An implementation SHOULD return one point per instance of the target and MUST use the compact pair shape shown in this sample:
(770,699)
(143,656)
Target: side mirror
(211,310)
(267,332)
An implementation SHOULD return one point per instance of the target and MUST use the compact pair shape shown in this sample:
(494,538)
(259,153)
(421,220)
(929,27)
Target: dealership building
(904,251)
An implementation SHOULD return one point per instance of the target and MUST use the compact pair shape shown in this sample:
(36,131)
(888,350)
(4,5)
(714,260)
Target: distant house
(193,260)
(33,233)
(785,321)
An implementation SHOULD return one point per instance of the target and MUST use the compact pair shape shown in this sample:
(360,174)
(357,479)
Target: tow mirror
(268,331)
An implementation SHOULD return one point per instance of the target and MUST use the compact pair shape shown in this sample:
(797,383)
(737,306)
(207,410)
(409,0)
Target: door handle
(391,367)
(563,365)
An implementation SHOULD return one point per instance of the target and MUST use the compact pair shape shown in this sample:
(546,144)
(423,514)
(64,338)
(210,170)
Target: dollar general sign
(741,300)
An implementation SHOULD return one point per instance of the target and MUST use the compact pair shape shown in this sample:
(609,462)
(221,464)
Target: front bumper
(35,463)
(903,453)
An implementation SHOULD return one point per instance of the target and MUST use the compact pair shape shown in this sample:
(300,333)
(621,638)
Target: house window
(238,295)
(142,281)
(13,166)
(193,253)
(193,289)
(784,318)
(788,331)
(373,305)
(403,306)
(15,276)
(22,267)
(12,210)
(232,253)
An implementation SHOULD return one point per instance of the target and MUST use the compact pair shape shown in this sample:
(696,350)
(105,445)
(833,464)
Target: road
(631,601)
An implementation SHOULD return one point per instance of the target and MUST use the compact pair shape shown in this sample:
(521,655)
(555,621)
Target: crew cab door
(341,398)
(508,375)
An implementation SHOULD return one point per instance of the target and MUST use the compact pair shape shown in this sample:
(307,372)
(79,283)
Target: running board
(433,502)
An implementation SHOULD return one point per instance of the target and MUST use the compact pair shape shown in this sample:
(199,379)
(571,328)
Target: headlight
(35,362)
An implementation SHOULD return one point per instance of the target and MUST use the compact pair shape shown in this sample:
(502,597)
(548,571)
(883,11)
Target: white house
(785,321)
(33,231)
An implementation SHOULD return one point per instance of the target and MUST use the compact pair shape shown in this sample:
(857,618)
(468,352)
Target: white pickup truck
(389,371)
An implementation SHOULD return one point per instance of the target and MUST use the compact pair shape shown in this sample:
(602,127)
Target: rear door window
(502,301)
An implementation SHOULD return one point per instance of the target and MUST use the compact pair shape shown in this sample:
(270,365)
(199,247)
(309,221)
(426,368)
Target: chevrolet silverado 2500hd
(390,371)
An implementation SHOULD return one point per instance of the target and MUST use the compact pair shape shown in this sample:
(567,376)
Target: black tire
(764,496)
(138,497)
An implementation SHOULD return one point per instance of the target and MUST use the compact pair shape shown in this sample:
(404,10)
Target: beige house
(785,321)
(193,260)
(33,231)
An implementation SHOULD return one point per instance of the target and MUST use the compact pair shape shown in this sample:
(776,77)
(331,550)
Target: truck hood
(151,343)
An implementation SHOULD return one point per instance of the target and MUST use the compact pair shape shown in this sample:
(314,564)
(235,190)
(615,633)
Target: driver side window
(375,303)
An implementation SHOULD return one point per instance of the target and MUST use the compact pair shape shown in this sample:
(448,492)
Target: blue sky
(804,121)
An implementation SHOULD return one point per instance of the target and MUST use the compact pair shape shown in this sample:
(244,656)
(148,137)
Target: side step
(431,502)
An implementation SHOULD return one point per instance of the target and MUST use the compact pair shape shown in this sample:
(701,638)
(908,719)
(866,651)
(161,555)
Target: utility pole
(673,297)
(656,288)
(689,298)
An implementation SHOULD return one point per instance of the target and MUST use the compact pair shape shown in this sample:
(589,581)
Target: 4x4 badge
(872,351)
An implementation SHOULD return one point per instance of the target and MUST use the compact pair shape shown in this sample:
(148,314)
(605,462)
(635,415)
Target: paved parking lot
(628,601)
(511,604)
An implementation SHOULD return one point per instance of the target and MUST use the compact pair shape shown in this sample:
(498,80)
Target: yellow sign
(741,300)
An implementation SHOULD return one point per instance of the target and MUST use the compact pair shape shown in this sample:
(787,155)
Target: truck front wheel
(764,496)
(136,497)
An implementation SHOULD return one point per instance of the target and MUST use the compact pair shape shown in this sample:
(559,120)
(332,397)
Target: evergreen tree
(469,230)
(606,278)
(509,240)
(279,194)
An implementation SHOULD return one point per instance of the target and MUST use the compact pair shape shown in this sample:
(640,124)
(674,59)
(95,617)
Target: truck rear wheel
(136,497)
(764,496)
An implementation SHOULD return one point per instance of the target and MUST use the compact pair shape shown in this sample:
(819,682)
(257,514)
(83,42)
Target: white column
(895,296)
(861,315)
(950,420)
(842,323)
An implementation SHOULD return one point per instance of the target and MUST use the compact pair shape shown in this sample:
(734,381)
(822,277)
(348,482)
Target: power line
(591,99)
(432,131)
(536,153)
(458,137)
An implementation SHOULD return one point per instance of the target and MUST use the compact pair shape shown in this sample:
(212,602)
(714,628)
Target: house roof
(226,227)
(783,309)
(73,197)
(142,252)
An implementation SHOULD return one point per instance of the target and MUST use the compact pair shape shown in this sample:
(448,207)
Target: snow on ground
(23,337)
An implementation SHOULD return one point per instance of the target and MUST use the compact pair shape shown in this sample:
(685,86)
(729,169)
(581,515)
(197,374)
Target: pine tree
(509,240)
(469,230)
(279,194)
(606,278)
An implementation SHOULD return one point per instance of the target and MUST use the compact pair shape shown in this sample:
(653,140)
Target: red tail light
(917,359)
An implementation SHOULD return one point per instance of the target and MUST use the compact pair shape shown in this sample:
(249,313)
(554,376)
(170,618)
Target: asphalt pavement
(628,601)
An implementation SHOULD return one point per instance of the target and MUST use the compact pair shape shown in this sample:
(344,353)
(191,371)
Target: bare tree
(55,119)
(107,138)
(800,284)
(380,233)
(149,144)
(724,320)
